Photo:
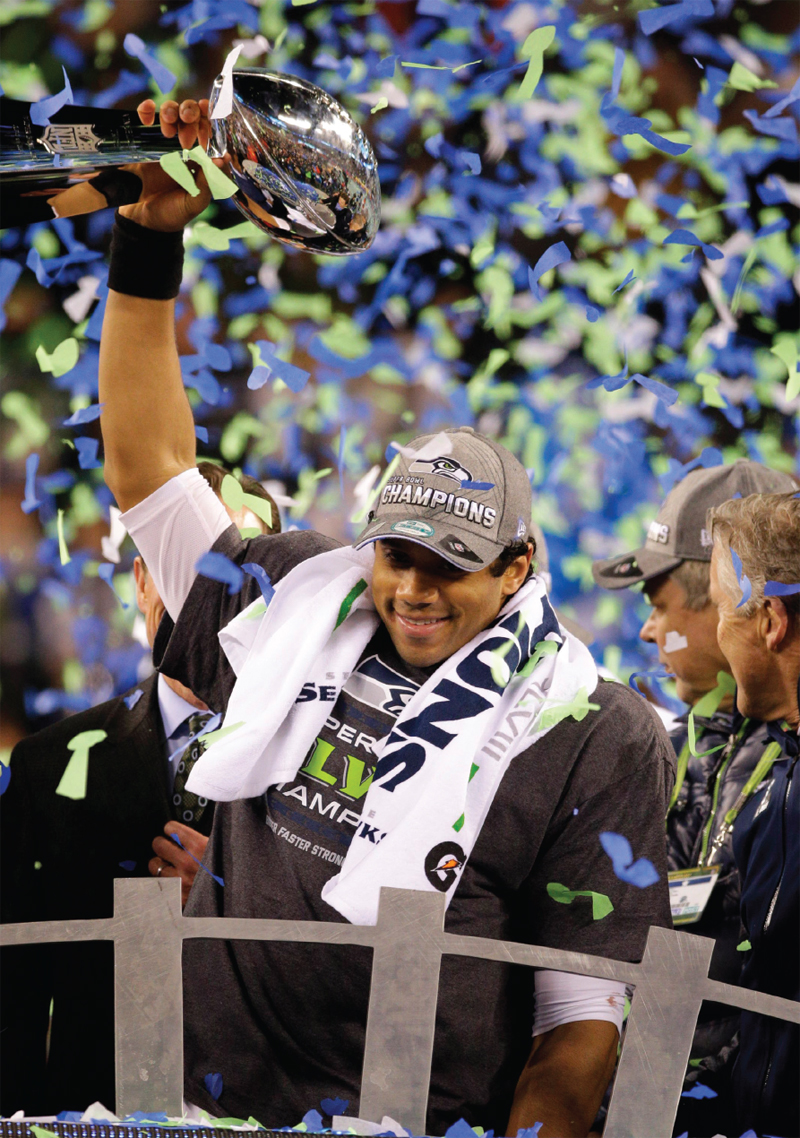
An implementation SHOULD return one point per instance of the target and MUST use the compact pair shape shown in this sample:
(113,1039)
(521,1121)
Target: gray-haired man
(674,567)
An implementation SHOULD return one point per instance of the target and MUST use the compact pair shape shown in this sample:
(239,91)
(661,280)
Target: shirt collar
(175,710)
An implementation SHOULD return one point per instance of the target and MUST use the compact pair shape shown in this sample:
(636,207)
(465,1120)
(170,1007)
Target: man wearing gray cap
(674,567)
(405,712)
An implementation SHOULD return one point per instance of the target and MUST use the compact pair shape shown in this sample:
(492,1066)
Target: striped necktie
(189,806)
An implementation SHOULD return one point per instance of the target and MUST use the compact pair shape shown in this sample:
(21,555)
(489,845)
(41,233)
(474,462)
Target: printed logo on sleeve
(443,865)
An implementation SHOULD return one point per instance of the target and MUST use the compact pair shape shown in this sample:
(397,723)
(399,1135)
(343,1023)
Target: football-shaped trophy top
(305,171)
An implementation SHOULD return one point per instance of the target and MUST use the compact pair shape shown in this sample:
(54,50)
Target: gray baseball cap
(459,493)
(679,532)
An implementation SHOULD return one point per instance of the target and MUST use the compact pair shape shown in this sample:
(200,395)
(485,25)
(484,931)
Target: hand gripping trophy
(304,170)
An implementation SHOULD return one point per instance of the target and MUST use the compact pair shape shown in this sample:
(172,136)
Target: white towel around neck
(441,765)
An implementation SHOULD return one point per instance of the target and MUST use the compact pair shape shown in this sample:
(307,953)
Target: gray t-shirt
(284,1023)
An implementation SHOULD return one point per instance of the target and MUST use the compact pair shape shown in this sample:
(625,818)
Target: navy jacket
(767,848)
(712,784)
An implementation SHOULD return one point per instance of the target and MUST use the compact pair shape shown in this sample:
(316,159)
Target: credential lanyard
(760,772)
(706,706)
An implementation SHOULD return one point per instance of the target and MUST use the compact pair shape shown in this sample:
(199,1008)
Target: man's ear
(776,623)
(139,576)
(517,571)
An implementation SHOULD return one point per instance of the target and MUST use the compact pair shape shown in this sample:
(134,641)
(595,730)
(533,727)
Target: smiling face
(430,607)
(695,667)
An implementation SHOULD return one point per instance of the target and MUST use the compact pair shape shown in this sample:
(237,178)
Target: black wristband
(118,187)
(145,262)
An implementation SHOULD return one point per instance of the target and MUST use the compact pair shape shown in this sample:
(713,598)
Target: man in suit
(59,858)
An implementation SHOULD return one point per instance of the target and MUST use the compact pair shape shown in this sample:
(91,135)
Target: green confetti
(601,904)
(709,383)
(577,708)
(63,358)
(349,601)
(220,733)
(711,701)
(693,739)
(174,165)
(786,351)
(220,184)
(744,946)
(73,780)
(533,49)
(742,79)
(235,497)
(32,431)
(41,1132)
(543,648)
(381,104)
(63,552)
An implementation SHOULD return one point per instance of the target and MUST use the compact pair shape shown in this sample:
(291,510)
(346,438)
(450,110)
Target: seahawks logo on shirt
(376,685)
(444,467)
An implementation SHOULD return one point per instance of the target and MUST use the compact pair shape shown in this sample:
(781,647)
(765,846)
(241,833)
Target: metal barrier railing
(408,942)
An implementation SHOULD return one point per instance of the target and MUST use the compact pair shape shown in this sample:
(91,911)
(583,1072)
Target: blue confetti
(175,838)
(105,571)
(84,415)
(699,1090)
(30,502)
(640,873)
(684,237)
(220,568)
(9,274)
(213,1084)
(164,78)
(630,277)
(131,700)
(331,1106)
(261,575)
(128,865)
(313,1120)
(5,777)
(556,255)
(780,589)
(653,19)
(530,1131)
(744,581)
(87,453)
(466,485)
(460,1129)
(40,111)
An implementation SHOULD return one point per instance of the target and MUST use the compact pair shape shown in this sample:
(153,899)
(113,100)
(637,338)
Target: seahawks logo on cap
(455,545)
(444,467)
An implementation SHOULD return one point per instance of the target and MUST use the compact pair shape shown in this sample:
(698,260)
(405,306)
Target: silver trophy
(305,171)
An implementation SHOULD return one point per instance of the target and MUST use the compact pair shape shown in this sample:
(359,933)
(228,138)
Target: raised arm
(147,424)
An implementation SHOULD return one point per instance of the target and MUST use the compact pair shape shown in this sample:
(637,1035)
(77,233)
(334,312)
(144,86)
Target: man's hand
(172,861)
(164,205)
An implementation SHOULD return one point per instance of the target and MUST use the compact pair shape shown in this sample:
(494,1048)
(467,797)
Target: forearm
(147,424)
(564,1080)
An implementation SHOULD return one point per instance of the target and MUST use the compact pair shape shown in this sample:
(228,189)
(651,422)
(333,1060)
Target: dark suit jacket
(80,845)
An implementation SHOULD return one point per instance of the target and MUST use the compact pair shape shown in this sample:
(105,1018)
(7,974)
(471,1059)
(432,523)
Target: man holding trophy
(370,713)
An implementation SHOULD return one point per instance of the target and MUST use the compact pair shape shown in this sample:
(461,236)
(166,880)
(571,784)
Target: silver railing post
(402,1007)
(658,1036)
(148,995)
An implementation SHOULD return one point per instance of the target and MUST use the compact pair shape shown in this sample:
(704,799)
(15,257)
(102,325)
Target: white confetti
(110,544)
(674,642)
(224,104)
